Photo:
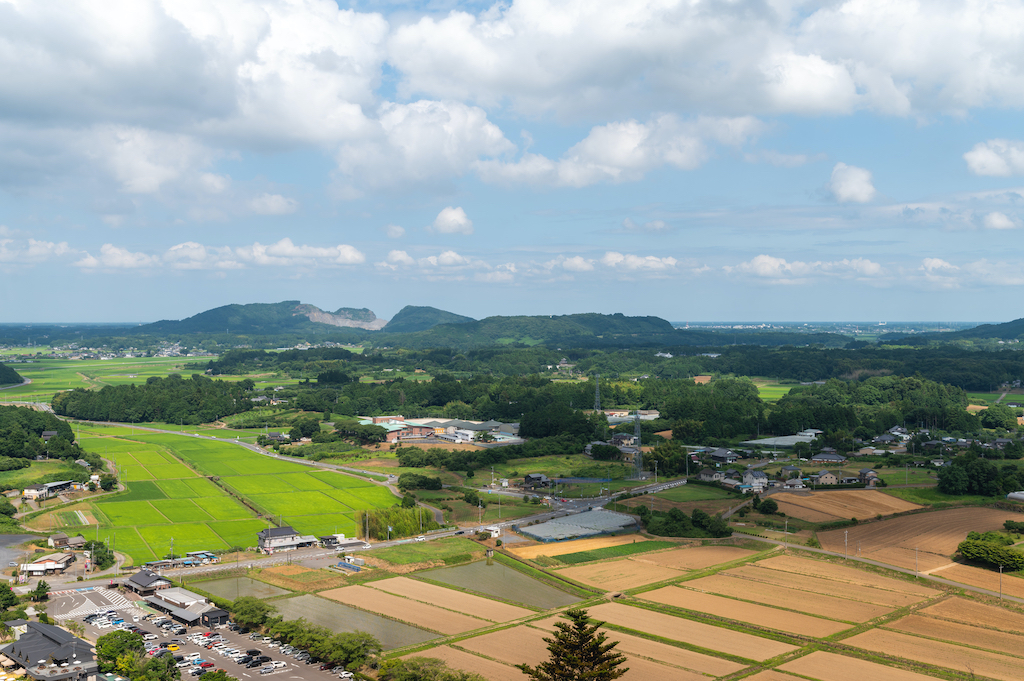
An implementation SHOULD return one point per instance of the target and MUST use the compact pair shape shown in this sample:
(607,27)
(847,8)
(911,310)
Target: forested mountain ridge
(9,376)
(289,316)
(416,318)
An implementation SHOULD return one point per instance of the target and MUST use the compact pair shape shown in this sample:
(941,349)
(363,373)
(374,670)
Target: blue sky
(759,160)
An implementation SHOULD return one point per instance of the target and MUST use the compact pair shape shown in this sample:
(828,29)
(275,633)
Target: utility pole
(846,544)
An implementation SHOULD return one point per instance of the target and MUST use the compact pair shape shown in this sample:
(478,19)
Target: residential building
(829,458)
(866,475)
(724,456)
(757,479)
(283,539)
(824,478)
(53,564)
(710,475)
(535,480)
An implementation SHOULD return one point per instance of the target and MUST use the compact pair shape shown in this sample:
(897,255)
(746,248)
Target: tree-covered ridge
(416,318)
(9,376)
(262,319)
(172,400)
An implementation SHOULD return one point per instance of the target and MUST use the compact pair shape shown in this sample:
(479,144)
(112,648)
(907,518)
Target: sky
(760,160)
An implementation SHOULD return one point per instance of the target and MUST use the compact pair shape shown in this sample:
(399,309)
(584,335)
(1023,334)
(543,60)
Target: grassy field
(986,398)
(928,496)
(693,493)
(49,376)
(771,391)
(419,552)
(913,476)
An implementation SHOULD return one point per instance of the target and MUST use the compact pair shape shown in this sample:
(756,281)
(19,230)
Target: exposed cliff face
(362,318)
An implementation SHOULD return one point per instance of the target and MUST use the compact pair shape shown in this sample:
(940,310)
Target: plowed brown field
(760,615)
(985,578)
(680,657)
(696,633)
(526,645)
(938,653)
(563,547)
(694,557)
(619,575)
(451,599)
(832,667)
(935,534)
(458,659)
(818,585)
(844,503)
(960,633)
(404,609)
(793,599)
(977,614)
(844,573)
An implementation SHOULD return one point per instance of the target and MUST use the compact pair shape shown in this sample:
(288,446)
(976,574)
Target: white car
(277,664)
(345,674)
(183,664)
(367,546)
(421,538)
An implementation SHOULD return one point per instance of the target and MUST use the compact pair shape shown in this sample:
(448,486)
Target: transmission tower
(638,461)
(597,392)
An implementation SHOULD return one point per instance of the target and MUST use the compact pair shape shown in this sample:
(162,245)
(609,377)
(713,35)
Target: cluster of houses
(48,653)
(755,481)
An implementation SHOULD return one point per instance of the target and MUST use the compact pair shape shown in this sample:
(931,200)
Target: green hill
(9,376)
(413,318)
(289,316)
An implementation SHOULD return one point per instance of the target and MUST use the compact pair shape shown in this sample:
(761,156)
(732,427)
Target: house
(724,456)
(829,458)
(535,480)
(849,481)
(790,471)
(187,607)
(283,539)
(794,483)
(47,434)
(757,479)
(57,541)
(709,475)
(53,564)
(278,437)
(49,489)
(824,478)
(146,582)
(866,475)
(49,652)
(732,483)
(885,439)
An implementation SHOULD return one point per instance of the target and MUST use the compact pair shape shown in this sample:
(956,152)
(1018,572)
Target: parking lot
(74,604)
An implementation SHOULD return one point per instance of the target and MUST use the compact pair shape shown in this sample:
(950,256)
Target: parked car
(192,656)
(267,670)
(198,671)
(206,665)
(254,652)
(254,664)
(199,662)
(244,659)
(345,674)
(183,664)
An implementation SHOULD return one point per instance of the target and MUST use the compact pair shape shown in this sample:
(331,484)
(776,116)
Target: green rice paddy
(200,494)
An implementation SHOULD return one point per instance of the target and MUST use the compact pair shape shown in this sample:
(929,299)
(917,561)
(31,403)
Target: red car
(206,665)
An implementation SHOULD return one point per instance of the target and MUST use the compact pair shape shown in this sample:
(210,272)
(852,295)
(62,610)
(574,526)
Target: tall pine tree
(578,653)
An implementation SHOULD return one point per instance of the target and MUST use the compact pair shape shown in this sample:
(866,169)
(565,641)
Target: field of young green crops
(173,499)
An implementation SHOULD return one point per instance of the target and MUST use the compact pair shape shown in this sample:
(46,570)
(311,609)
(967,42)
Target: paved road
(17,385)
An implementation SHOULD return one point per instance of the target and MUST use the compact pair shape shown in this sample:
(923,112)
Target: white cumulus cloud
(452,221)
(782,270)
(629,262)
(998,220)
(850,183)
(997,157)
(114,257)
(394,231)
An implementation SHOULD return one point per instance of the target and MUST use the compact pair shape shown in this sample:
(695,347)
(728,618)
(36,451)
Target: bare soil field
(844,573)
(964,634)
(515,646)
(795,511)
(832,667)
(694,557)
(619,575)
(405,610)
(696,633)
(818,585)
(845,503)
(986,579)
(457,659)
(938,653)
(563,547)
(793,599)
(662,652)
(934,534)
(771,675)
(760,615)
(977,614)
(287,570)
(451,599)
(526,644)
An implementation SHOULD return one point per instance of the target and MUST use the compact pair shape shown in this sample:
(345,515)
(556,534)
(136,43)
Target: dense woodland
(172,400)
(9,376)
